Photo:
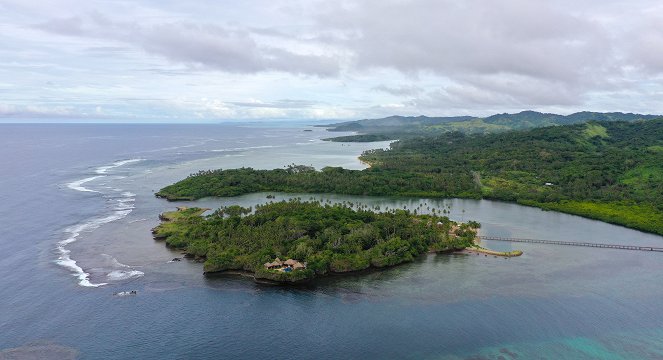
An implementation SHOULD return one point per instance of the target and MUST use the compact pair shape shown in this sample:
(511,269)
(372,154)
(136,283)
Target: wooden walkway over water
(573,243)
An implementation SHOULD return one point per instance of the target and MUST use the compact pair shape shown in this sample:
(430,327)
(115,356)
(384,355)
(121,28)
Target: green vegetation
(593,130)
(643,216)
(481,250)
(363,138)
(403,127)
(374,181)
(329,238)
(609,171)
(473,126)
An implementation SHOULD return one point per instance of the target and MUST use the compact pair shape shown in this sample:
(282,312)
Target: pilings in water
(573,243)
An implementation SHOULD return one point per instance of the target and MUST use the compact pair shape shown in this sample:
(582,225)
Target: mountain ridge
(397,126)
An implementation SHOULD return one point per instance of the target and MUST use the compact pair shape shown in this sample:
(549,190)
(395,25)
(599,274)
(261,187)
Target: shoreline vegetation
(325,238)
(481,250)
(609,171)
(476,248)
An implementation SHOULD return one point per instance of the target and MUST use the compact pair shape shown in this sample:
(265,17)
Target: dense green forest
(364,138)
(404,127)
(611,171)
(328,238)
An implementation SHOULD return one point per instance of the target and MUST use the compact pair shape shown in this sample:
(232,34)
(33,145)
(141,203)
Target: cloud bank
(342,59)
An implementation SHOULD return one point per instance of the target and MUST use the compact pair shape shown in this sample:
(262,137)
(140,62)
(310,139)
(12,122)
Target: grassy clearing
(472,126)
(182,212)
(170,222)
(595,130)
(643,174)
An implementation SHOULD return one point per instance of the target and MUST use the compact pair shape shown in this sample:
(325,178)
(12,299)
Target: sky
(219,60)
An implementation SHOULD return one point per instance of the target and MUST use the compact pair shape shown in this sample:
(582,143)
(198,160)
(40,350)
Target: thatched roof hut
(453,229)
(298,265)
(268,265)
(278,262)
(291,262)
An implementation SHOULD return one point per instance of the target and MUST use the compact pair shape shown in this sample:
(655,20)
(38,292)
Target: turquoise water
(553,302)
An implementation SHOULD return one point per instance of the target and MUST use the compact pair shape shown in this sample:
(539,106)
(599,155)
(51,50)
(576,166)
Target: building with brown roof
(291,262)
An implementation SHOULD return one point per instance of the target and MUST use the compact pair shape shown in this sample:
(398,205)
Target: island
(295,241)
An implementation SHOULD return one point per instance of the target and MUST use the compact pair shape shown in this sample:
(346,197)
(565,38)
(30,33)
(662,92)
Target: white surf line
(104,169)
(77,185)
(199,143)
(123,206)
(247,148)
(74,232)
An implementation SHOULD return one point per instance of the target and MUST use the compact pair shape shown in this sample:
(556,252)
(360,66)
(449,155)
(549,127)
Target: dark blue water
(553,302)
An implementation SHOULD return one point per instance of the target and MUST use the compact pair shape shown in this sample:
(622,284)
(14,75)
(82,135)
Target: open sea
(77,205)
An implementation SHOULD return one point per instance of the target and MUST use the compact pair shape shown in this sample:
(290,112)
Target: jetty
(573,243)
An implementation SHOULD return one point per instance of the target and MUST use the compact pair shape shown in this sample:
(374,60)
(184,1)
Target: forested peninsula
(315,238)
(610,171)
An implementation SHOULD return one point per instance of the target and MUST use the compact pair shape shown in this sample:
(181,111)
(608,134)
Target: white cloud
(319,59)
(206,45)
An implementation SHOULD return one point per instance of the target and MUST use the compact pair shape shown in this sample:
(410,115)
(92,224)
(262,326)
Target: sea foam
(117,275)
(74,232)
(121,271)
(77,185)
(120,208)
(245,148)
(104,169)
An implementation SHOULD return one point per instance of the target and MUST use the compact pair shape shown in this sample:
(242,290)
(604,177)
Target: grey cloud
(514,93)
(476,36)
(40,111)
(565,49)
(206,46)
(72,26)
(165,72)
(645,43)
(279,104)
(521,90)
(107,50)
(461,54)
(402,90)
(142,99)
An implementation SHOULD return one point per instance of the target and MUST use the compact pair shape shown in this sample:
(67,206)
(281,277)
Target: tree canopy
(611,171)
(329,238)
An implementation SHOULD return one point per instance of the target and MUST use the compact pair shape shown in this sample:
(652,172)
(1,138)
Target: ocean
(77,205)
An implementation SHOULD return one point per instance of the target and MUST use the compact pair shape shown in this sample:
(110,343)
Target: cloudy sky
(203,61)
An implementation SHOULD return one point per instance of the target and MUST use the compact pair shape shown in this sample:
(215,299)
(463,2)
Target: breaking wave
(77,185)
(119,206)
(104,169)
(245,148)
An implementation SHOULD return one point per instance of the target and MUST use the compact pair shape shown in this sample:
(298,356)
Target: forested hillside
(403,127)
(612,171)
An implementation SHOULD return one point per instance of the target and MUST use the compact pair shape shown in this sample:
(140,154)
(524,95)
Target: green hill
(611,171)
(399,127)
